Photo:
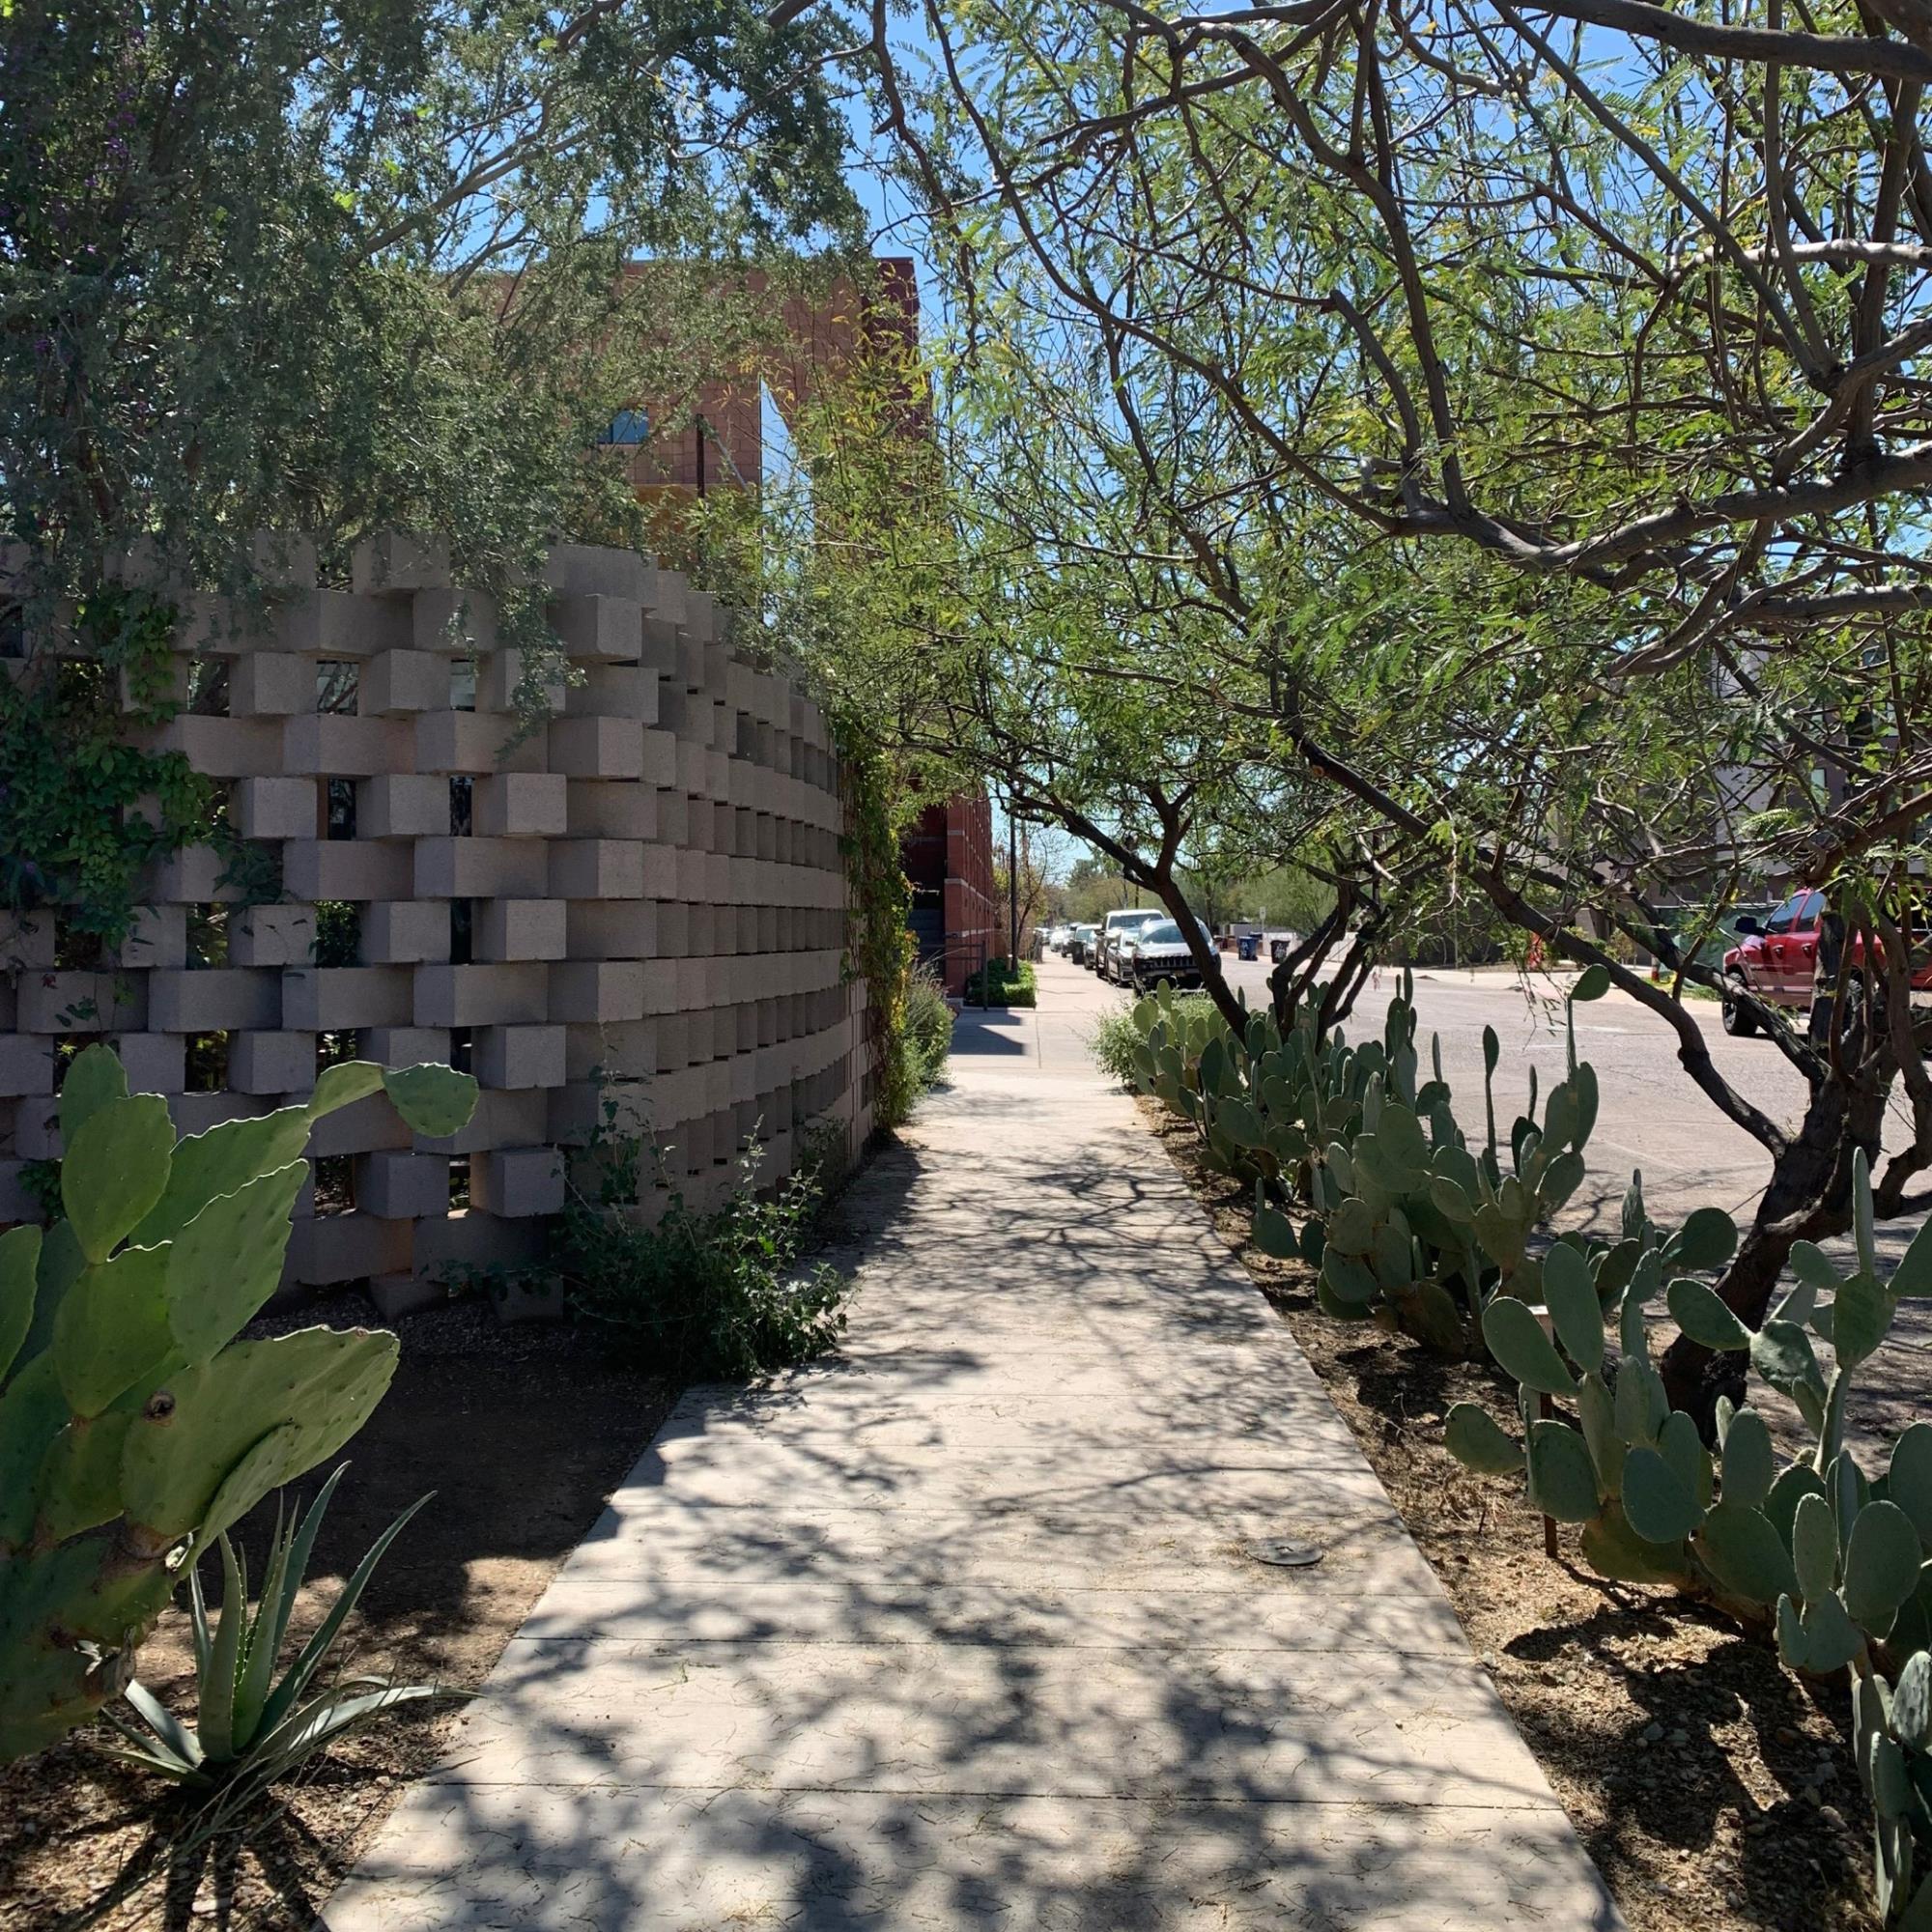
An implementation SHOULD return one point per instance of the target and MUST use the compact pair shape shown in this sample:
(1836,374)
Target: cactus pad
(1517,1341)
(1881,1565)
(114,1171)
(1744,1554)
(1697,1309)
(227,1262)
(112,1328)
(19,1262)
(1476,1441)
(321,1381)
(93,1079)
(1660,1505)
(1562,1480)
(221,1160)
(437,1101)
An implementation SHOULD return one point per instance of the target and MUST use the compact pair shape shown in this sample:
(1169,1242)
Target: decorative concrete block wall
(641,901)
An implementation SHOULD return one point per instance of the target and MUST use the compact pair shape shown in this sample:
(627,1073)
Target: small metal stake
(1545,1408)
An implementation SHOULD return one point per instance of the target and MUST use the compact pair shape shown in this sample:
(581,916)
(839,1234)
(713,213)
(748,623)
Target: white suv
(1118,925)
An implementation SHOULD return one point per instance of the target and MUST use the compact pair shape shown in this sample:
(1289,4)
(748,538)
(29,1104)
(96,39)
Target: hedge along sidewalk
(964,1628)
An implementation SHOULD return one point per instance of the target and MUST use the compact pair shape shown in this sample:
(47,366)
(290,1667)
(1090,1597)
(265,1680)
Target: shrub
(1004,984)
(1114,1040)
(1112,1043)
(927,1028)
(914,1054)
(700,1296)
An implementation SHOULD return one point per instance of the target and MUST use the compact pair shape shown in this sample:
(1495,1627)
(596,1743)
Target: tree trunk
(1213,982)
(1808,1198)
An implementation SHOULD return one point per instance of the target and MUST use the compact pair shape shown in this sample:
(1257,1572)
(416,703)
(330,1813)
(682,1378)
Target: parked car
(1080,944)
(1159,951)
(1113,929)
(1778,961)
(1705,932)
(1059,937)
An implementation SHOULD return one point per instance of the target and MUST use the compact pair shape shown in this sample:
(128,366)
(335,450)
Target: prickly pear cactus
(1419,1231)
(1389,1250)
(1270,1104)
(133,1427)
(1839,1562)
(1617,1460)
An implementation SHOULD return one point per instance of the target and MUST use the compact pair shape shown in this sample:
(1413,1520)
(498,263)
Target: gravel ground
(520,1432)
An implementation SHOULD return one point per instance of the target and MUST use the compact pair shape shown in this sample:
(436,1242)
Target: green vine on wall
(879,947)
(82,811)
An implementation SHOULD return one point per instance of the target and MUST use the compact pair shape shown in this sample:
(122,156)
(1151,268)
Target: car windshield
(1166,933)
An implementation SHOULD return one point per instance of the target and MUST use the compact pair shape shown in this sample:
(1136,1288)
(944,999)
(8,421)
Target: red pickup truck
(1778,961)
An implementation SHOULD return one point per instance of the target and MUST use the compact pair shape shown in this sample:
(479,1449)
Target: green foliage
(878,937)
(302,327)
(131,1419)
(82,809)
(1840,1564)
(274,294)
(250,1729)
(924,1037)
(1119,1036)
(338,934)
(1002,984)
(698,1296)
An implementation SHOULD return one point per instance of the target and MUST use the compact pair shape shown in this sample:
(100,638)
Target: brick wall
(975,923)
(948,856)
(650,885)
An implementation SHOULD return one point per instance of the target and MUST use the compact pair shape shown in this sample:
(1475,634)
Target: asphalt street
(1650,1118)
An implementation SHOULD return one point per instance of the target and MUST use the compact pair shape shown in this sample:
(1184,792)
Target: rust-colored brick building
(723,446)
(948,855)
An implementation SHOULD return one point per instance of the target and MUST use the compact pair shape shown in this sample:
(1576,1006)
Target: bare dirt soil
(1714,1790)
(522,1433)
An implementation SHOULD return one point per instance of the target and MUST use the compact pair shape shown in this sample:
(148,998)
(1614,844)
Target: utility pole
(1013,886)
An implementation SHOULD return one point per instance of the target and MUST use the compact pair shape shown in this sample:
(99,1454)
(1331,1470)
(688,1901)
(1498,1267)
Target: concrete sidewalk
(965,1628)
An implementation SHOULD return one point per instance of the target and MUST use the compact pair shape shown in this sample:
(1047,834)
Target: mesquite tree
(282,264)
(1526,405)
(288,266)
(1063,673)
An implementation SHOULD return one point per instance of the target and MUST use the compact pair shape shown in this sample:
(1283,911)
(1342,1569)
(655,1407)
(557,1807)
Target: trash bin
(1277,950)
(1247,946)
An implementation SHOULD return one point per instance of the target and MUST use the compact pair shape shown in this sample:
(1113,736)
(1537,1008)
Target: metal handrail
(974,950)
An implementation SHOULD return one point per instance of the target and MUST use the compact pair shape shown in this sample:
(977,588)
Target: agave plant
(249,1730)
(135,1423)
